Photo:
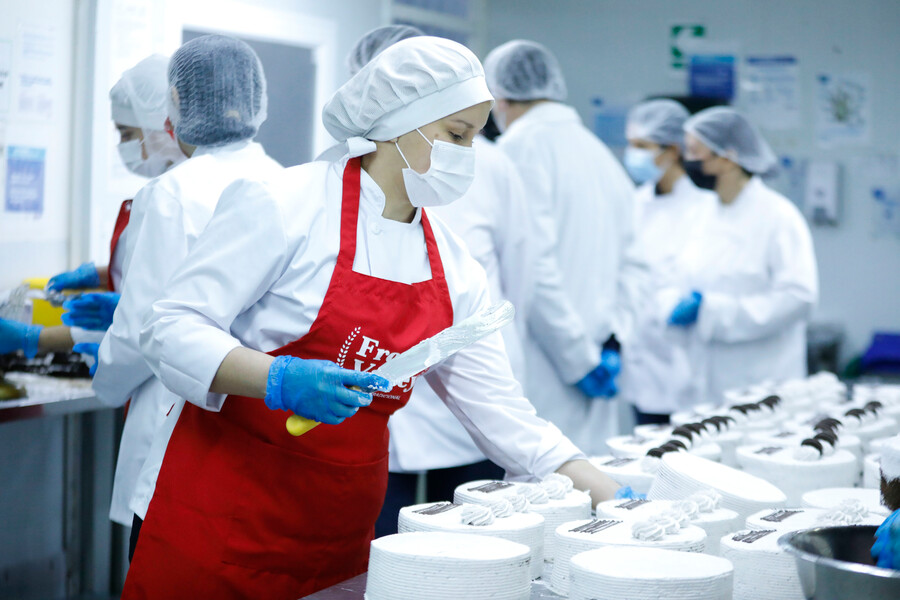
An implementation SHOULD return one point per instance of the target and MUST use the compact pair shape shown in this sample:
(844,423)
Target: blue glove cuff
(273,385)
(30,344)
(88,275)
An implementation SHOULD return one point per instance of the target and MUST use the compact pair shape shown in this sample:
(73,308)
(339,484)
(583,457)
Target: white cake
(622,573)
(762,569)
(795,519)
(554,499)
(439,565)
(872,471)
(832,497)
(626,471)
(635,446)
(661,531)
(792,434)
(498,520)
(632,510)
(797,469)
(681,474)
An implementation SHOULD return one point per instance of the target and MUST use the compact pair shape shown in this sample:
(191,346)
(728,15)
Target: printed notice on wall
(25,180)
(36,48)
(5,74)
(843,109)
(770,91)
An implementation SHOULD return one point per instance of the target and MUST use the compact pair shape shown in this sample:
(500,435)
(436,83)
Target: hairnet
(728,133)
(373,43)
(140,97)
(221,91)
(410,84)
(523,70)
(658,121)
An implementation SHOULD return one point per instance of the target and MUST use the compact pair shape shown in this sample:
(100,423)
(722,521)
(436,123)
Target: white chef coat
(585,206)
(262,287)
(656,369)
(756,268)
(167,216)
(492,219)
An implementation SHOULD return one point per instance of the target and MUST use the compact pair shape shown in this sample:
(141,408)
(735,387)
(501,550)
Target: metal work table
(48,397)
(355,588)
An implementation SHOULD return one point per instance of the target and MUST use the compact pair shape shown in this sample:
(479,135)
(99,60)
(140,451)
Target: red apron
(121,223)
(244,510)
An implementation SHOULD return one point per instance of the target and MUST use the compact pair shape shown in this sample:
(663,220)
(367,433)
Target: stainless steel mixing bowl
(834,563)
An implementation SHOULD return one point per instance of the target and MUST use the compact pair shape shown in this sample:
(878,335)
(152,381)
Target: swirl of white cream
(650,464)
(647,531)
(555,489)
(501,507)
(476,514)
(689,507)
(680,516)
(667,521)
(848,512)
(707,500)
(518,502)
(535,493)
(565,480)
(806,453)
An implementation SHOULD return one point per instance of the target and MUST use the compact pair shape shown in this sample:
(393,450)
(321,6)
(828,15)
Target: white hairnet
(728,133)
(658,121)
(524,70)
(373,43)
(410,84)
(140,97)
(221,91)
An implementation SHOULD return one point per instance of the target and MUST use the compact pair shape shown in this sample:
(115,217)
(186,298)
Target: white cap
(139,98)
(729,134)
(410,84)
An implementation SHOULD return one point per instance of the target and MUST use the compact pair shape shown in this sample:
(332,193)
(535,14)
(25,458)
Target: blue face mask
(641,165)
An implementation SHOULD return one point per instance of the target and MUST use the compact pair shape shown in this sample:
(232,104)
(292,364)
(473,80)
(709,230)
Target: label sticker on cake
(780,515)
(493,486)
(748,537)
(632,504)
(436,509)
(784,434)
(769,450)
(595,526)
(618,462)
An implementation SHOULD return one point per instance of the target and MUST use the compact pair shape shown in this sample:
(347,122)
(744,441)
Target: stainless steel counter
(354,589)
(49,397)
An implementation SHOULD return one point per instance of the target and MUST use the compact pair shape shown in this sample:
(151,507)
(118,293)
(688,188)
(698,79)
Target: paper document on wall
(770,91)
(843,109)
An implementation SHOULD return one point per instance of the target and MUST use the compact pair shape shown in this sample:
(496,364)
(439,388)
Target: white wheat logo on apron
(345,347)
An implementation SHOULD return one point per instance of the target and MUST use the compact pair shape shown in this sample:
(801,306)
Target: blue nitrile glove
(19,336)
(886,549)
(626,493)
(90,349)
(686,311)
(596,383)
(85,276)
(92,311)
(319,389)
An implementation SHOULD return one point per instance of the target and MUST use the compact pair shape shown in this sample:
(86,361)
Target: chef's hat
(140,97)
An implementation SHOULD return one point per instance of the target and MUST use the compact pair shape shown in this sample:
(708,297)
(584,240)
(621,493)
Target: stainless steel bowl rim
(785,542)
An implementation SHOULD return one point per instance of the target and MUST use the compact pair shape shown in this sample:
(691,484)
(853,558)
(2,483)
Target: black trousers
(439,485)
(136,523)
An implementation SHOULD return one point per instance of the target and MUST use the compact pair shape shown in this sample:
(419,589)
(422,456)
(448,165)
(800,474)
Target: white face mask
(447,179)
(159,159)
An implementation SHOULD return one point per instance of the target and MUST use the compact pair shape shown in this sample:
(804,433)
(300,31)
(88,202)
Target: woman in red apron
(241,509)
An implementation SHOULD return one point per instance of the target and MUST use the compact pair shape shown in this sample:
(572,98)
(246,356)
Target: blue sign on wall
(25,179)
(712,76)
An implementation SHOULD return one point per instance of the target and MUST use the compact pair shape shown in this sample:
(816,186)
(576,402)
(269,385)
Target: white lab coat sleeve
(239,256)
(478,387)
(634,281)
(552,320)
(156,244)
(791,295)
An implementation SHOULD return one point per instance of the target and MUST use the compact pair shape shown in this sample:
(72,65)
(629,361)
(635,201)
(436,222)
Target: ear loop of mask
(403,156)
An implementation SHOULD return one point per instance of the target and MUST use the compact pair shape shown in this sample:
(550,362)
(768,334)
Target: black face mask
(694,170)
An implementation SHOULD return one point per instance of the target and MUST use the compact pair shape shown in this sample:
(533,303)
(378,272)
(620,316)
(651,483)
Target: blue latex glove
(886,549)
(90,349)
(686,311)
(612,360)
(626,493)
(84,276)
(319,389)
(92,311)
(19,336)
(600,383)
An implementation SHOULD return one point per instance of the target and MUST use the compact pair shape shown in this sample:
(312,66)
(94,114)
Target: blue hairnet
(373,43)
(523,70)
(728,133)
(658,121)
(220,91)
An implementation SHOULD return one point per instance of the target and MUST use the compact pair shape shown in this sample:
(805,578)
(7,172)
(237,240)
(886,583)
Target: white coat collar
(233,147)
(371,200)
(546,112)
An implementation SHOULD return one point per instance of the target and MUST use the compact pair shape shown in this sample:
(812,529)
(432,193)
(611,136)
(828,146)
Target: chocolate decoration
(674,445)
(814,443)
(656,452)
(697,428)
(771,401)
(742,408)
(827,424)
(855,412)
(827,436)
(874,406)
(683,432)
(714,421)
